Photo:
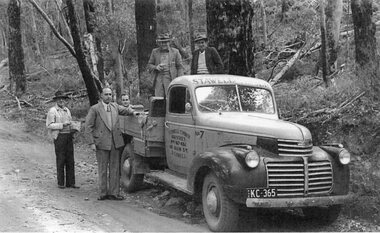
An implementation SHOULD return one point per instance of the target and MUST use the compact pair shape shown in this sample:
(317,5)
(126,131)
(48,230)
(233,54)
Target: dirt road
(31,201)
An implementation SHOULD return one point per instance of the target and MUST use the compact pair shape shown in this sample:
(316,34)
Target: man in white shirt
(58,122)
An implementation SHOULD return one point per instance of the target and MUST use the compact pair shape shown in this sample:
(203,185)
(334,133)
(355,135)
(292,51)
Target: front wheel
(129,181)
(221,213)
(324,215)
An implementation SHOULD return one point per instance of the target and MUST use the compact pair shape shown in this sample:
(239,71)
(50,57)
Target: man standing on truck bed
(206,60)
(165,64)
(103,129)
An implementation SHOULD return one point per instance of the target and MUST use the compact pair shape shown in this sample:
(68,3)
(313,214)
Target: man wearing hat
(165,64)
(206,60)
(58,122)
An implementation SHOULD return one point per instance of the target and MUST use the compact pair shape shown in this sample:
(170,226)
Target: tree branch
(56,33)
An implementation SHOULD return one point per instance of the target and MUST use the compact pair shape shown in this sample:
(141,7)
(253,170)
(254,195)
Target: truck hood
(250,124)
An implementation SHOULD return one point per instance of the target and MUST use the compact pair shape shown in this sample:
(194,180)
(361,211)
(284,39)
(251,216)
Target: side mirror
(188,107)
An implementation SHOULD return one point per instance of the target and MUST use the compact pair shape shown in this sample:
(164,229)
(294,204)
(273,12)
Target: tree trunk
(229,27)
(323,51)
(334,11)
(119,74)
(264,18)
(4,40)
(89,13)
(15,51)
(58,4)
(364,30)
(88,76)
(190,23)
(285,6)
(145,15)
(35,33)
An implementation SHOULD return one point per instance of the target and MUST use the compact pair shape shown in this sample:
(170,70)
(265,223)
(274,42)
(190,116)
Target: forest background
(324,72)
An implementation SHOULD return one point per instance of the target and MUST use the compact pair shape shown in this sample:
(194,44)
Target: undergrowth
(347,112)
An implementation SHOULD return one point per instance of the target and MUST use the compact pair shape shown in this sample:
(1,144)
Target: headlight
(252,159)
(344,157)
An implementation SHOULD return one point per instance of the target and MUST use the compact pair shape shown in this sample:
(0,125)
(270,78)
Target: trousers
(64,152)
(109,171)
(162,85)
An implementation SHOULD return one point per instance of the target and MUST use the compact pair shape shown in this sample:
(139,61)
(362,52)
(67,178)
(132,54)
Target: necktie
(108,108)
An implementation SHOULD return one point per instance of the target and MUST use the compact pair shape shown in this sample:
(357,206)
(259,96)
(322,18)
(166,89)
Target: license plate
(262,193)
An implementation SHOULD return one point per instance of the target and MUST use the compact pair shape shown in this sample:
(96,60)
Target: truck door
(179,130)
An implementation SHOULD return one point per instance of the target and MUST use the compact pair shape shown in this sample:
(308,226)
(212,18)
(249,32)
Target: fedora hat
(200,37)
(59,95)
(163,37)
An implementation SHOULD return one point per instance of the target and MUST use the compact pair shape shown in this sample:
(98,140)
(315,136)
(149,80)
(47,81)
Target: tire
(221,213)
(130,182)
(323,215)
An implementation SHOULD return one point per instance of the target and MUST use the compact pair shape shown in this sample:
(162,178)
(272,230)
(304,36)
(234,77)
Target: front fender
(223,162)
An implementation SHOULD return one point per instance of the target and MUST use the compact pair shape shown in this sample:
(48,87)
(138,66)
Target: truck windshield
(234,98)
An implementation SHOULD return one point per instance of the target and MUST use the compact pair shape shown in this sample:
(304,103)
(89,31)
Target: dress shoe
(73,186)
(102,198)
(116,198)
(61,186)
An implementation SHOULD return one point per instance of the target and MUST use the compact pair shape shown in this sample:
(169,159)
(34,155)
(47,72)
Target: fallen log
(289,64)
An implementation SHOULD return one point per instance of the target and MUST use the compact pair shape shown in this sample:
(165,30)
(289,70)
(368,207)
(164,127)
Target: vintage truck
(220,139)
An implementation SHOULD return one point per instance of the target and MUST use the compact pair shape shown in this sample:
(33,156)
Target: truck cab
(219,138)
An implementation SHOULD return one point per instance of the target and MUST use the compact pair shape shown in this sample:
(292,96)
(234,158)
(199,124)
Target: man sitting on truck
(103,129)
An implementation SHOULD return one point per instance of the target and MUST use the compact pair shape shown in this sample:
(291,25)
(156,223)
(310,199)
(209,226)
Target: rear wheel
(221,213)
(325,215)
(129,181)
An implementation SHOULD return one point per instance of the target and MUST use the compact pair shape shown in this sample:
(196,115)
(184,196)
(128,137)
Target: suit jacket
(98,129)
(213,61)
(54,123)
(175,63)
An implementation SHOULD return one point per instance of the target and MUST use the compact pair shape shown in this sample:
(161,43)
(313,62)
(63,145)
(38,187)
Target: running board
(169,179)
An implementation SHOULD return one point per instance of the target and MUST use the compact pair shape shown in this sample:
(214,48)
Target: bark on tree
(264,19)
(323,51)
(145,16)
(364,31)
(35,33)
(229,27)
(285,6)
(119,71)
(334,12)
(59,4)
(190,23)
(89,13)
(4,43)
(89,78)
(15,51)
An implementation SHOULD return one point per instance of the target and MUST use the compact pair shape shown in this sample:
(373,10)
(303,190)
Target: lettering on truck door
(179,131)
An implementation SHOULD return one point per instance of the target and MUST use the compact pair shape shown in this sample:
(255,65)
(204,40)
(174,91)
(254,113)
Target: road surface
(31,201)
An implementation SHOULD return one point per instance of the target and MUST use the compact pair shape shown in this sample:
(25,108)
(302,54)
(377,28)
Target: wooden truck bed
(148,130)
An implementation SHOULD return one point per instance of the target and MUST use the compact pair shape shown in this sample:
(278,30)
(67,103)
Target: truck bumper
(298,202)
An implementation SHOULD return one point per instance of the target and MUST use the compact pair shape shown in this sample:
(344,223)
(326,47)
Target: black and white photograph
(189,115)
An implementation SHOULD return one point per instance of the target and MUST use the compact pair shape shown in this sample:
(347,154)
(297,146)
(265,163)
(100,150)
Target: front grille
(320,177)
(294,148)
(299,178)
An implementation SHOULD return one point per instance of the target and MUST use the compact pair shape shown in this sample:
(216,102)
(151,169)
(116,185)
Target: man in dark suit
(206,60)
(103,129)
(165,64)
